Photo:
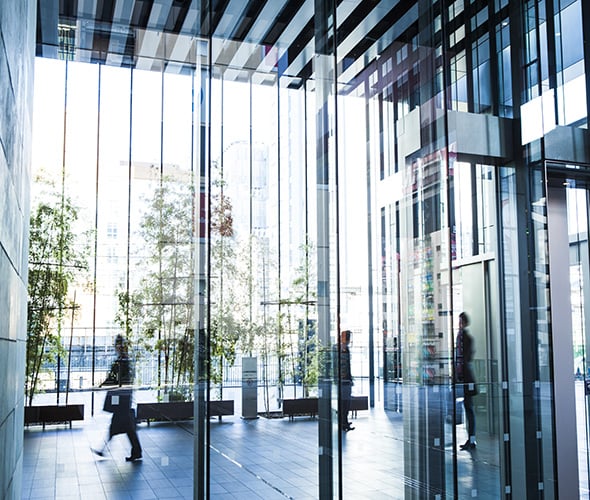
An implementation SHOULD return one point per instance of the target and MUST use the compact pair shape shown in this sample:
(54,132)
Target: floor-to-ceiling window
(114,164)
(230,199)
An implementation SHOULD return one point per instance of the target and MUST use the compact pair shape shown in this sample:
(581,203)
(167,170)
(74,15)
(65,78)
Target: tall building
(363,165)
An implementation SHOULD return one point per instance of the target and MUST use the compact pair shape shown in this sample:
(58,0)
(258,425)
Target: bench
(309,406)
(221,408)
(300,406)
(358,403)
(53,414)
(173,411)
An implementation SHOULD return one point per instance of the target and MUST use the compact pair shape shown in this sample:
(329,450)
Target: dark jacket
(464,356)
(120,373)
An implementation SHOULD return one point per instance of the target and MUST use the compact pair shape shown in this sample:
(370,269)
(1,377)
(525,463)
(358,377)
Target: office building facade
(373,166)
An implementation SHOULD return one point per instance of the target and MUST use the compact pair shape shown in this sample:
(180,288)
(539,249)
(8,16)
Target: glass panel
(542,383)
(478,363)
(127,275)
(80,165)
(570,36)
(577,209)
(339,190)
(112,212)
(511,186)
(334,393)
(263,277)
(47,172)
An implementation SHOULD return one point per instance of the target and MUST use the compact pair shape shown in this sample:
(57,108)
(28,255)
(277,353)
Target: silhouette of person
(345,381)
(464,375)
(118,401)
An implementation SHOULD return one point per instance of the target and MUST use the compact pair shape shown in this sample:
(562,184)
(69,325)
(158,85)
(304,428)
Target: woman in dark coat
(464,375)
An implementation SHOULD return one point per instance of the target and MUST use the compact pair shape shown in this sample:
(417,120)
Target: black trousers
(469,412)
(123,422)
(345,397)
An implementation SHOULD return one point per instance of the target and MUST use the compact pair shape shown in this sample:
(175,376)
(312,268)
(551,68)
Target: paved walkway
(254,459)
(249,459)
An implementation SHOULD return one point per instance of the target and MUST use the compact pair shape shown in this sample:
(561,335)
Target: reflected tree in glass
(163,300)
(226,322)
(58,258)
(304,297)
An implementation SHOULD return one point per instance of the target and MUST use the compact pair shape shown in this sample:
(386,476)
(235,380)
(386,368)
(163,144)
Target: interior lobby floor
(249,459)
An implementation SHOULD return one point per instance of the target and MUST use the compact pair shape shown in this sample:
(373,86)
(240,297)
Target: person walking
(118,401)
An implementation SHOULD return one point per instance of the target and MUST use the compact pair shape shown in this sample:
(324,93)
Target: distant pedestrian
(346,382)
(464,376)
(118,401)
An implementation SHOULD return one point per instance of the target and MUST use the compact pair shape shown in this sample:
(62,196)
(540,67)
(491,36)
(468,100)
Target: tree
(58,256)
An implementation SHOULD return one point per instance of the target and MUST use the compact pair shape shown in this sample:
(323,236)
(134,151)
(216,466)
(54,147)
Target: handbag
(117,400)
(471,388)
(108,405)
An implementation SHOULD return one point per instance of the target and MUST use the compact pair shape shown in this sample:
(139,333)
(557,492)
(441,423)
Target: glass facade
(249,179)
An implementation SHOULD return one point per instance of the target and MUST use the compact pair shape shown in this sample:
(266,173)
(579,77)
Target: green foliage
(58,256)
(226,321)
(162,303)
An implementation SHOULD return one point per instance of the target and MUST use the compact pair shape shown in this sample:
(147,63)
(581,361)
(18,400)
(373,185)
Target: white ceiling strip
(294,67)
(121,24)
(299,20)
(229,21)
(85,26)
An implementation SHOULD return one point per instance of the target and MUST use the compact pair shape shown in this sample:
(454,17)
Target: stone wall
(17,50)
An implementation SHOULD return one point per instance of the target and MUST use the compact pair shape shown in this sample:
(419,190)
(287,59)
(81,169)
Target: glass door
(568,205)
(578,198)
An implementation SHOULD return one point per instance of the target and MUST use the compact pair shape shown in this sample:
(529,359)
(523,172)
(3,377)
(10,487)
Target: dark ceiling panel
(104,10)
(217,10)
(252,12)
(304,37)
(176,17)
(67,8)
(282,20)
(141,13)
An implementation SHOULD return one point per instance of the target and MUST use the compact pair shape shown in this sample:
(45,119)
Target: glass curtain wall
(114,159)
(382,193)
(432,241)
(266,335)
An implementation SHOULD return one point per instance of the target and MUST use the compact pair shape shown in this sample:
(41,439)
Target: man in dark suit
(118,401)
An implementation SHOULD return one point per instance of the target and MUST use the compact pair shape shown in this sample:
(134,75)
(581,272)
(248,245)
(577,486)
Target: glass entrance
(568,205)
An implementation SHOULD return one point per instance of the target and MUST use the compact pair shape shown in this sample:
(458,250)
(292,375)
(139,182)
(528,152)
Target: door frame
(562,359)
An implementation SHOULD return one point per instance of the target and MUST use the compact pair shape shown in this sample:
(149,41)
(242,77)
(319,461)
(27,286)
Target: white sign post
(249,387)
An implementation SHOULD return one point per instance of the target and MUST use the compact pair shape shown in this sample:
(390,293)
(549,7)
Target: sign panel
(249,387)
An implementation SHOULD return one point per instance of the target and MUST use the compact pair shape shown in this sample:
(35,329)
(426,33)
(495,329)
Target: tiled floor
(249,459)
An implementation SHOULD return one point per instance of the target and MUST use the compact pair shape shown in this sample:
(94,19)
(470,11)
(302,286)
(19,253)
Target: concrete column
(17,45)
